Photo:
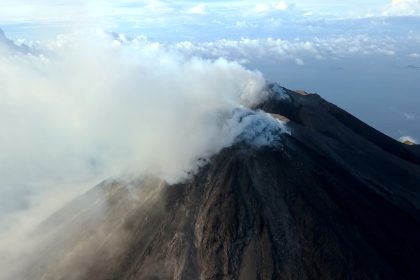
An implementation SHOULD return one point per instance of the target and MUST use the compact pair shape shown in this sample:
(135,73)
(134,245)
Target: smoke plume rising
(78,111)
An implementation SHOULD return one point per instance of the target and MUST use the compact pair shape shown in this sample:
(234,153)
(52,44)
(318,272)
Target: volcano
(335,199)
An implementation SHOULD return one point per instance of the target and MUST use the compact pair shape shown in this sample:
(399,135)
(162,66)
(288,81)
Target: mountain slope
(335,199)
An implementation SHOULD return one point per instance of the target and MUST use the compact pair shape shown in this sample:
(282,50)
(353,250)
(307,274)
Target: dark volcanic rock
(337,200)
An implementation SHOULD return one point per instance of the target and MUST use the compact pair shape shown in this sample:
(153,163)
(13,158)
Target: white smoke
(407,139)
(89,109)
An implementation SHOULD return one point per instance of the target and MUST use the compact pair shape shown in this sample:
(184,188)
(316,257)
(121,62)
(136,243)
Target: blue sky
(155,14)
(18,10)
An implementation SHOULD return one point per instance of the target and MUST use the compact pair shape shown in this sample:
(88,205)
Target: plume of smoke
(407,139)
(101,107)
(97,108)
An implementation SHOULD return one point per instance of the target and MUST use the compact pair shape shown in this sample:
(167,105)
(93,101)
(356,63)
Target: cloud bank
(402,8)
(334,47)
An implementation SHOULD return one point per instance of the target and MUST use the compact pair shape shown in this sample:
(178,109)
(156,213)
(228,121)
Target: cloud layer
(402,8)
(171,12)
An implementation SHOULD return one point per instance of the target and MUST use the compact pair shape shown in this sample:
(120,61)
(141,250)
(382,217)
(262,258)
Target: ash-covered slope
(335,200)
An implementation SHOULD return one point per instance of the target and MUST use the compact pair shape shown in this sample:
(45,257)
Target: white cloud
(406,115)
(241,24)
(278,49)
(281,6)
(152,11)
(157,6)
(262,8)
(407,139)
(409,116)
(199,9)
(299,61)
(402,8)
(414,55)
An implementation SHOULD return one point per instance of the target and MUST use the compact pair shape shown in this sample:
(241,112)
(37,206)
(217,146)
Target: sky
(49,10)
(158,15)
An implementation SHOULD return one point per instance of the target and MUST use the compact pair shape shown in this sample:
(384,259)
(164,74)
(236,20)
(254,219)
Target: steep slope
(335,199)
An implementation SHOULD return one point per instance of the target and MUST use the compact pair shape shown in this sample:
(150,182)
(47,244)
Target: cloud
(158,6)
(406,115)
(262,8)
(414,55)
(281,6)
(199,9)
(299,61)
(402,8)
(296,50)
(409,117)
(151,12)
(407,139)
